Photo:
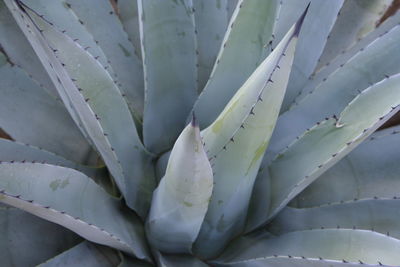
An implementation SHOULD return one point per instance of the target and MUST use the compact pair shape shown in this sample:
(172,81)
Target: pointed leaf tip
(299,23)
(194,121)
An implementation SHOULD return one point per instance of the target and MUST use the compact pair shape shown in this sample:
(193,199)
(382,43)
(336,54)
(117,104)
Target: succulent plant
(198,133)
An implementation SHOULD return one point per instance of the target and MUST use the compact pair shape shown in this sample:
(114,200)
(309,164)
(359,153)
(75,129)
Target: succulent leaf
(19,51)
(170,260)
(19,152)
(371,170)
(351,246)
(69,198)
(354,51)
(128,13)
(85,254)
(249,30)
(61,16)
(181,199)
(230,7)
(332,139)
(369,66)
(110,36)
(32,116)
(170,69)
(243,128)
(381,215)
(312,39)
(89,92)
(23,232)
(211,21)
(356,19)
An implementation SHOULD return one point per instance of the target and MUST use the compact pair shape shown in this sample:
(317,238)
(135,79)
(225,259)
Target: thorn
(194,121)
(242,126)
(232,140)
(260,99)
(271,81)
(252,111)
(87,99)
(344,261)
(224,148)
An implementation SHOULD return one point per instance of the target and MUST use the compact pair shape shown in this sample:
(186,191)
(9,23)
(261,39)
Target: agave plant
(198,133)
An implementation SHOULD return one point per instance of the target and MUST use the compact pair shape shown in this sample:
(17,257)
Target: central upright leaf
(236,143)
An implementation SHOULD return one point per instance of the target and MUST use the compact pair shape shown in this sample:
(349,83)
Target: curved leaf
(368,66)
(95,102)
(371,170)
(293,169)
(380,215)
(110,36)
(236,141)
(312,39)
(69,198)
(85,254)
(11,151)
(356,19)
(249,30)
(26,240)
(181,199)
(301,261)
(170,69)
(341,59)
(351,246)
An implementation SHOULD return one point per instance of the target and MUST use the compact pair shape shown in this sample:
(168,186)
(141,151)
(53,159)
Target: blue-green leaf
(26,240)
(211,21)
(85,254)
(170,69)
(335,245)
(69,198)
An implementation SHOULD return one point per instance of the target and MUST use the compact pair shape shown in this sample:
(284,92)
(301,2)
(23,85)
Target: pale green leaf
(181,199)
(236,142)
